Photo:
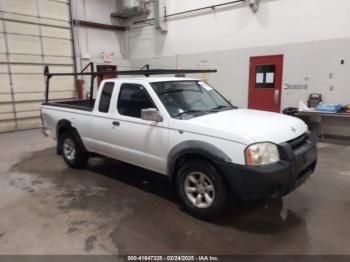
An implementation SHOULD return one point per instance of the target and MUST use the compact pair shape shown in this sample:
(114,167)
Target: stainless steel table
(331,124)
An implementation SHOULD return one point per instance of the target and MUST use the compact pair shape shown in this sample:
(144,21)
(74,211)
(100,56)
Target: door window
(265,76)
(132,99)
(106,96)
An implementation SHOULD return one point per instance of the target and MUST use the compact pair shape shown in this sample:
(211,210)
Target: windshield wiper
(190,112)
(213,110)
(218,108)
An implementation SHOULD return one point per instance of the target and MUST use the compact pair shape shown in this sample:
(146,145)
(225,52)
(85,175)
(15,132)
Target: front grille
(298,142)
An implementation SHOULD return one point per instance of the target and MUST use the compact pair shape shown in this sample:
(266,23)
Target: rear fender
(63,126)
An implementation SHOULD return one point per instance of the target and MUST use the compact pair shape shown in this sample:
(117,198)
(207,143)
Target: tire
(73,154)
(201,178)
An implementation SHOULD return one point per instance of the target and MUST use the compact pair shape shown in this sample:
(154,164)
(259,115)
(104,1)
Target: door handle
(277,96)
(115,123)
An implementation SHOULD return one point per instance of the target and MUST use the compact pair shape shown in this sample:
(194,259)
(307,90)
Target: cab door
(101,121)
(134,140)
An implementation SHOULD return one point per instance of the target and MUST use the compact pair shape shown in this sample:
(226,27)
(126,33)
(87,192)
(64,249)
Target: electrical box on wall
(159,15)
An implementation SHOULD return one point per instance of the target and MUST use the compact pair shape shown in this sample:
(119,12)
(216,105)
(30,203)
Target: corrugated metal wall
(33,33)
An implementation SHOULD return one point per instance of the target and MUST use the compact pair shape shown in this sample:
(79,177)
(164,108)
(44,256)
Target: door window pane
(106,96)
(270,78)
(132,99)
(265,76)
(260,78)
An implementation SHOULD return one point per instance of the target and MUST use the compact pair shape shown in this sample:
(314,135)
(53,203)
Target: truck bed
(83,104)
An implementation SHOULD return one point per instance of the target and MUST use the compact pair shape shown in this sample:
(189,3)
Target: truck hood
(248,126)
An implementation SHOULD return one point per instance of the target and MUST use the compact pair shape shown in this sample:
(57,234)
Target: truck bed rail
(83,104)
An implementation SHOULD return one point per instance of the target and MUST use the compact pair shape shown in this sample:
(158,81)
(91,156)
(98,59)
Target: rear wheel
(201,189)
(73,154)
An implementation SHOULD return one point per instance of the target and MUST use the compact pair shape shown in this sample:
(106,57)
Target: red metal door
(265,83)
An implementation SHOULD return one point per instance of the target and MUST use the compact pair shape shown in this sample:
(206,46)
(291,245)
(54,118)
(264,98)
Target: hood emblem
(293,129)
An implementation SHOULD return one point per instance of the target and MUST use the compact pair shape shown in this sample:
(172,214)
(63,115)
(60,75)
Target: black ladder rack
(143,72)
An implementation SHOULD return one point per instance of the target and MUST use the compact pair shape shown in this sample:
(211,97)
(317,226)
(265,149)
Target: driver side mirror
(151,114)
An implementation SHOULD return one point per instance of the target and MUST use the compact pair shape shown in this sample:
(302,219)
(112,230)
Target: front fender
(194,147)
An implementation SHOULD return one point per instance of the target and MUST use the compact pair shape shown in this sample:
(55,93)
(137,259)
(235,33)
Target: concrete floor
(114,208)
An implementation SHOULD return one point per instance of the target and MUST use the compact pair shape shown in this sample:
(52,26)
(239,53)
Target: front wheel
(72,152)
(201,189)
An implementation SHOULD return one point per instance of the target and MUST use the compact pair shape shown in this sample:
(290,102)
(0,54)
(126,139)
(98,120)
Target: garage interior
(299,48)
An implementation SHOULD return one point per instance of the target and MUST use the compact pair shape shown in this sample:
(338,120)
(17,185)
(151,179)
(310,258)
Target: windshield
(189,98)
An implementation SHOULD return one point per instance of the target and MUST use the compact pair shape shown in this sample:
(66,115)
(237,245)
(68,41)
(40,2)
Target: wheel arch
(193,149)
(65,125)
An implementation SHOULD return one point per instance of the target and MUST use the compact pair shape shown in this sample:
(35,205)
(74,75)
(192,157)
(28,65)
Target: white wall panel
(53,9)
(7,116)
(23,97)
(24,44)
(28,123)
(25,58)
(56,32)
(57,47)
(29,106)
(5,98)
(38,34)
(62,69)
(5,108)
(57,23)
(3,69)
(19,17)
(3,57)
(96,10)
(276,22)
(2,43)
(5,85)
(27,83)
(58,60)
(6,126)
(62,83)
(94,41)
(26,114)
(27,7)
(62,95)
(21,28)
(26,69)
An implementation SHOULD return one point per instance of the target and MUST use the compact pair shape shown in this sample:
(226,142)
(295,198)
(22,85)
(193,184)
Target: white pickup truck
(186,130)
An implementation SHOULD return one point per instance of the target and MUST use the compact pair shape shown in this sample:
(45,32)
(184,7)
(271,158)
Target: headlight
(261,154)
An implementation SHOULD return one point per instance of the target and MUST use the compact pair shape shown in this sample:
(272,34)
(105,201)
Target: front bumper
(274,180)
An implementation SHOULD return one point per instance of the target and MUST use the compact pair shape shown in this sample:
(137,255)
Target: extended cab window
(105,99)
(132,99)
